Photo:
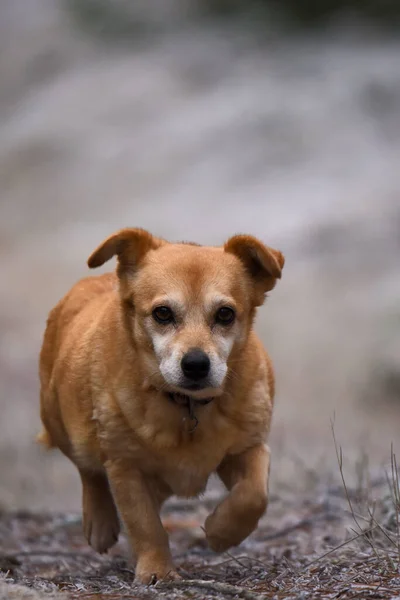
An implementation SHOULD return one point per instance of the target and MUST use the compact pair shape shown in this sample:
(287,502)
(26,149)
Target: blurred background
(198,120)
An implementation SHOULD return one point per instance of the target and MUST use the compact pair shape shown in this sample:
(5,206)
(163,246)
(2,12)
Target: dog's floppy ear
(129,245)
(263,264)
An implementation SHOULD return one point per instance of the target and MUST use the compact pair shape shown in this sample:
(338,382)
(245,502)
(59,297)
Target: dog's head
(189,308)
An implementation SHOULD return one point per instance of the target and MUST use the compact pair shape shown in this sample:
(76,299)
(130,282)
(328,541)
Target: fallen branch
(354,538)
(306,522)
(76,554)
(221,588)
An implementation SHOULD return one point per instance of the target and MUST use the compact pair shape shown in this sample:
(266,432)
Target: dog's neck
(190,403)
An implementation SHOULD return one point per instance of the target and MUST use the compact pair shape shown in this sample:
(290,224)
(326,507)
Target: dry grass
(331,541)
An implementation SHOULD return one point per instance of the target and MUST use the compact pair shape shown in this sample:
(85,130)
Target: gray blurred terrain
(199,133)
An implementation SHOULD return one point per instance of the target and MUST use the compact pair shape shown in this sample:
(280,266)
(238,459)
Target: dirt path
(309,546)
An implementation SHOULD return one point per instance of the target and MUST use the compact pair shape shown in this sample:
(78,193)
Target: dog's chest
(187,466)
(182,460)
(186,469)
(185,479)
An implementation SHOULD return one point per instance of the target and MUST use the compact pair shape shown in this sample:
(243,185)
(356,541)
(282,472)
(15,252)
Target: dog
(152,378)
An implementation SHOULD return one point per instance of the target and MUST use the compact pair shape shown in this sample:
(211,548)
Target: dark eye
(225,316)
(163,315)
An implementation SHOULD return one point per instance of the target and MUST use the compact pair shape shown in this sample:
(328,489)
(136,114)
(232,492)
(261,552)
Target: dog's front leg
(139,510)
(246,476)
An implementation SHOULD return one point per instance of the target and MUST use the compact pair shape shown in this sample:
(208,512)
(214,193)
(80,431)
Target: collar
(190,403)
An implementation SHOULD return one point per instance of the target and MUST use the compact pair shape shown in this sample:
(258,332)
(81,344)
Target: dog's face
(192,304)
(190,308)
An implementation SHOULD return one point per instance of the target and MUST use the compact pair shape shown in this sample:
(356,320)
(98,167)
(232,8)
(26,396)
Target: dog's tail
(44,438)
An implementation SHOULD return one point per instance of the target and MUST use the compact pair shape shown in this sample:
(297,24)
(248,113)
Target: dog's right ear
(129,245)
(263,264)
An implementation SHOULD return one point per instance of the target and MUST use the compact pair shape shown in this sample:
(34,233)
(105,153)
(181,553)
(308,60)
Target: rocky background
(197,121)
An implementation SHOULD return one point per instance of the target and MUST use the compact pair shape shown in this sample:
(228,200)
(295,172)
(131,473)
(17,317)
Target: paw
(232,522)
(101,528)
(219,536)
(148,571)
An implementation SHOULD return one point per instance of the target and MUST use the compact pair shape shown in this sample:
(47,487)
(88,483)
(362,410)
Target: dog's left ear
(263,264)
(129,245)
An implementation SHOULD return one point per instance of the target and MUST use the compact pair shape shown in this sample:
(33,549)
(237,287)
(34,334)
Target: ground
(328,542)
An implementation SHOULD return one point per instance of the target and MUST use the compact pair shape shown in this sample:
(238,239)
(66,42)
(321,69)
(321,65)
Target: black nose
(195,364)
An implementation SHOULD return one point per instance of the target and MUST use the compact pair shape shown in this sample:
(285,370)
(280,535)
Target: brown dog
(153,378)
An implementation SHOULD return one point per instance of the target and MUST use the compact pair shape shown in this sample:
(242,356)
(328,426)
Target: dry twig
(221,588)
